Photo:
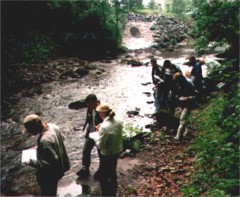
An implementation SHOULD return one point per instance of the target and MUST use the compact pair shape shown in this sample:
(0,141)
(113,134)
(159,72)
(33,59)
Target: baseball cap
(30,121)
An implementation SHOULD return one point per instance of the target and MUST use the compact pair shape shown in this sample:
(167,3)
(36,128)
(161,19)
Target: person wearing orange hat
(186,93)
(52,159)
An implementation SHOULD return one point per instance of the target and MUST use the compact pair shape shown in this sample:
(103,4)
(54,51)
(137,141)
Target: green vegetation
(132,138)
(217,21)
(177,8)
(180,9)
(217,142)
(36,31)
(146,11)
(217,148)
(35,47)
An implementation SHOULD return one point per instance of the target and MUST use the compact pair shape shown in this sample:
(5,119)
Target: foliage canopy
(42,29)
(217,21)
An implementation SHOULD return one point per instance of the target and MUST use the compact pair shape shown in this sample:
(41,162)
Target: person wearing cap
(110,145)
(196,73)
(92,120)
(157,79)
(52,159)
(186,93)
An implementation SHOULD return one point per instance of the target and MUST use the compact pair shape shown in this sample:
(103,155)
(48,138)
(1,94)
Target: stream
(117,83)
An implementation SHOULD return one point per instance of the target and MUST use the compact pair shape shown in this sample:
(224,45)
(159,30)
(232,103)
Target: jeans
(86,154)
(158,98)
(108,182)
(166,98)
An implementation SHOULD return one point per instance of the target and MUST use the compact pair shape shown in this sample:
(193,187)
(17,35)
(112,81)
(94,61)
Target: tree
(43,29)
(152,5)
(178,6)
(217,21)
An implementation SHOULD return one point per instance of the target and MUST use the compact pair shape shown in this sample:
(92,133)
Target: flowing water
(120,85)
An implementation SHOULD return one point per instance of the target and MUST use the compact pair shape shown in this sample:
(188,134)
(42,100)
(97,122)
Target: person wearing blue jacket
(196,73)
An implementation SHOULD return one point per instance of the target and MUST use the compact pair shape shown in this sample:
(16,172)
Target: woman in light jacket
(110,145)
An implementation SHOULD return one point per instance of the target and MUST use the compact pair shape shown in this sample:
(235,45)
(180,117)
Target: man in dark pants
(109,183)
(169,69)
(196,73)
(157,76)
(92,120)
(52,159)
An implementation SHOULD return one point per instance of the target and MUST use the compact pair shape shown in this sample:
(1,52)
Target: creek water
(119,84)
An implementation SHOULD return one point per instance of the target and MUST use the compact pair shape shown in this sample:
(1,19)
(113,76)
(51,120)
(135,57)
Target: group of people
(52,159)
(172,89)
(100,118)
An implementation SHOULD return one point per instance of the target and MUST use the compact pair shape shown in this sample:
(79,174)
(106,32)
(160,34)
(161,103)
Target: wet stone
(188,174)
(132,112)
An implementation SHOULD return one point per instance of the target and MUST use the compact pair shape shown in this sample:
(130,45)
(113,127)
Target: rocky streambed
(123,86)
(167,31)
(47,89)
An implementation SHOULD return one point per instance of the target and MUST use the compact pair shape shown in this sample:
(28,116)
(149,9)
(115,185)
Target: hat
(90,98)
(103,108)
(30,120)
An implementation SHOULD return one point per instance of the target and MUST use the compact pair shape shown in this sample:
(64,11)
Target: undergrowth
(217,143)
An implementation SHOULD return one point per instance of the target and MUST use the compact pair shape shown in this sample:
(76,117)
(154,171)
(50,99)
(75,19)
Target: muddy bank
(164,167)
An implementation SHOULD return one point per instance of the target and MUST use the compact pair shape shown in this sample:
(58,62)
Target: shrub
(33,48)
(217,21)
(132,138)
(217,148)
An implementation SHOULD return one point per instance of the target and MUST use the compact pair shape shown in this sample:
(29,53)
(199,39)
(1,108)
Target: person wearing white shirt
(109,143)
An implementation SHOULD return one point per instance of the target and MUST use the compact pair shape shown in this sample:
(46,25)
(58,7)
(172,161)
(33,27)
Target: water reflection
(71,190)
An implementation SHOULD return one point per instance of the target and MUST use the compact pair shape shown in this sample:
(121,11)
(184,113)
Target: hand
(32,163)
(183,98)
(97,127)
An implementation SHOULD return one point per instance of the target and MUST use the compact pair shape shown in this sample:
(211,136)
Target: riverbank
(47,89)
(114,81)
